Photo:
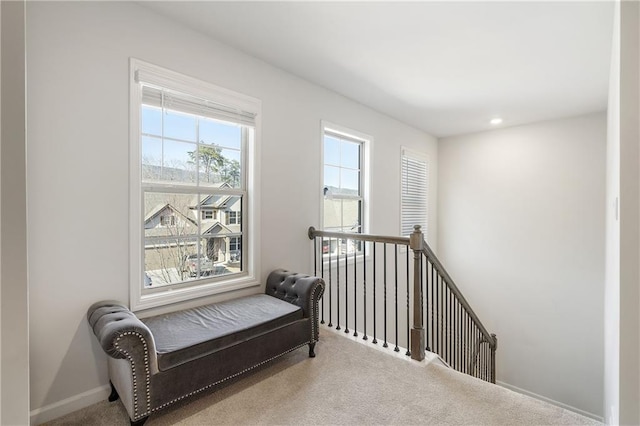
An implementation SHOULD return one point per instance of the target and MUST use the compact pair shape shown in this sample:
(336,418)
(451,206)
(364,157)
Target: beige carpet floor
(346,384)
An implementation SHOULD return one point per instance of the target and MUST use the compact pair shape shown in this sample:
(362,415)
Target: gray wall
(521,229)
(78,56)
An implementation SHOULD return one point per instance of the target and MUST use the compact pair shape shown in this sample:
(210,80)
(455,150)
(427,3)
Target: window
(168,220)
(234,244)
(233,218)
(343,191)
(193,149)
(414,191)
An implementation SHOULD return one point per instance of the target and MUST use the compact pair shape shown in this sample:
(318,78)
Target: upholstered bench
(154,362)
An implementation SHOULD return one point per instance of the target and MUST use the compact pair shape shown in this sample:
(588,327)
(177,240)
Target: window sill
(172,295)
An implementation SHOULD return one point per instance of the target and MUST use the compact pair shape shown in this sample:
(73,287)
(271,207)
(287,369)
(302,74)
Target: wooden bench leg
(312,354)
(114,393)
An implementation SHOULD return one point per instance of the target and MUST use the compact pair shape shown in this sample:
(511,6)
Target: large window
(344,189)
(191,146)
(414,191)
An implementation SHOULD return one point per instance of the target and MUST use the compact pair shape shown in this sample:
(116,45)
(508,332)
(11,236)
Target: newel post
(418,341)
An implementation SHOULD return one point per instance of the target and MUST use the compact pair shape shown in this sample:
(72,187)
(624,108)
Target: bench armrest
(301,290)
(122,335)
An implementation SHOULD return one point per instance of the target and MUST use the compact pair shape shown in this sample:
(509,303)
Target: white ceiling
(444,67)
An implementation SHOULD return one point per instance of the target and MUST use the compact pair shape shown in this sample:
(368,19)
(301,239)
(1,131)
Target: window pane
(351,215)
(179,162)
(350,155)
(151,120)
(349,182)
(209,161)
(179,126)
(222,134)
(180,206)
(166,260)
(332,214)
(332,178)
(230,170)
(331,151)
(151,158)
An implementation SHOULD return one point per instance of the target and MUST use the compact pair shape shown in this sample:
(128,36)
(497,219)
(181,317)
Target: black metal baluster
(426,303)
(374,341)
(470,347)
(458,333)
(384,283)
(433,312)
(445,321)
(460,341)
(451,336)
(437,314)
(484,361)
(364,285)
(346,288)
(355,292)
(423,302)
(465,325)
(330,293)
(322,276)
(338,285)
(397,349)
(408,353)
(441,317)
(315,256)
(479,359)
(454,332)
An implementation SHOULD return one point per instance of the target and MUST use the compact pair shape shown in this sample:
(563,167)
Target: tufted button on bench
(154,362)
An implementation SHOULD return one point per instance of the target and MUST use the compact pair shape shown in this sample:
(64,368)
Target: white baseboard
(550,401)
(69,405)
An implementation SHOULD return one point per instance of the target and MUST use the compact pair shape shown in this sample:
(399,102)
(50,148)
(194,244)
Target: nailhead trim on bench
(133,371)
(315,309)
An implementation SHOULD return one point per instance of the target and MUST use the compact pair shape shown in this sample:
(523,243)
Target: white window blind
(163,98)
(414,195)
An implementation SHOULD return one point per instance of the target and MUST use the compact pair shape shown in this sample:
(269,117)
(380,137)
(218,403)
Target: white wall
(77,76)
(521,230)
(13,263)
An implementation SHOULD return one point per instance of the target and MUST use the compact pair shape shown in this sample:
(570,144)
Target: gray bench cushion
(190,334)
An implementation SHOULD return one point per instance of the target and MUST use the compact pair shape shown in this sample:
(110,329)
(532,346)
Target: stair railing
(358,267)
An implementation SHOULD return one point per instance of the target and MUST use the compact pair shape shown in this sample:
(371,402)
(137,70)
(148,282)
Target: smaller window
(207,214)
(235,243)
(169,220)
(233,218)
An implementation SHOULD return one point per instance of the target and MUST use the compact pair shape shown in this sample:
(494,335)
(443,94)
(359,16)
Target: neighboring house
(171,229)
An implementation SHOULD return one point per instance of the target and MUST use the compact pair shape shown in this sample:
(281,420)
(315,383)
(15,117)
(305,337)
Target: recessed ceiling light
(496,121)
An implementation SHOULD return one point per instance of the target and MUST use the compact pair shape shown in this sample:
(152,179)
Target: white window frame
(365,167)
(251,260)
(418,156)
